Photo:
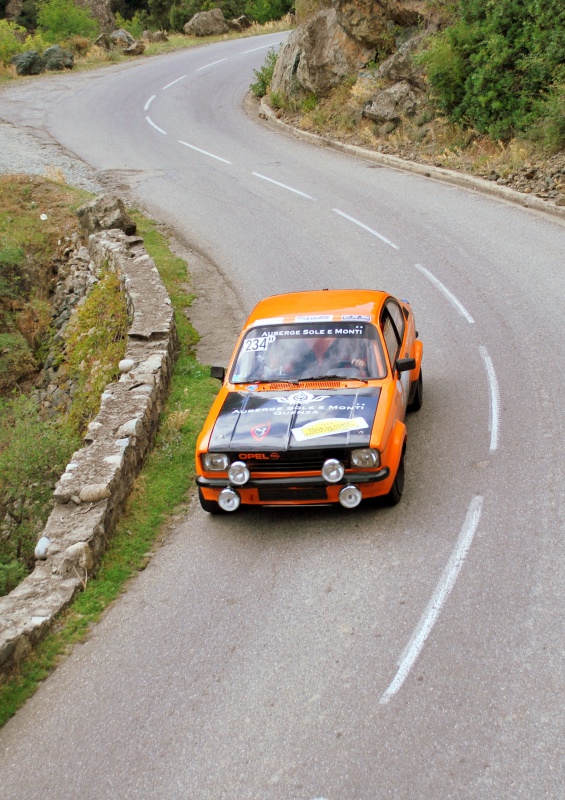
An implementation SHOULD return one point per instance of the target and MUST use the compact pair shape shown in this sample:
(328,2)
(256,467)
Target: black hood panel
(261,421)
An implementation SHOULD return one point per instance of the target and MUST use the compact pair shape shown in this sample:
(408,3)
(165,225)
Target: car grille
(298,461)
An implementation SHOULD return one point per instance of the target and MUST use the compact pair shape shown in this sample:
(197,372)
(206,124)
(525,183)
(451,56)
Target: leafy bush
(495,67)
(136,25)
(60,19)
(263,11)
(264,74)
(12,37)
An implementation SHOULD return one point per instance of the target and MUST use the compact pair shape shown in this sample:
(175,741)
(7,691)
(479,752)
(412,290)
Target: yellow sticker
(328,427)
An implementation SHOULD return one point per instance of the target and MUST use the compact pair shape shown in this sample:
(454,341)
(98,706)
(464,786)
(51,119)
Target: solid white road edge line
(494,397)
(204,152)
(157,128)
(148,103)
(445,291)
(212,64)
(439,597)
(282,185)
(172,83)
(366,228)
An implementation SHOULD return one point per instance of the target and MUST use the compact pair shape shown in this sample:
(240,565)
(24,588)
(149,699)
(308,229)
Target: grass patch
(160,492)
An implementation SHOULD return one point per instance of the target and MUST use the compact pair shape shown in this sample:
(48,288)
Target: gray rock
(239,24)
(135,49)
(207,23)
(105,212)
(154,36)
(121,38)
(388,105)
(55,58)
(29,63)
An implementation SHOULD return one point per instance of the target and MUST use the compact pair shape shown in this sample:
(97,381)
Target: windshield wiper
(332,378)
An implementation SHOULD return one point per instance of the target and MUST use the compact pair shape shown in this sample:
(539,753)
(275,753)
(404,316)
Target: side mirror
(405,364)
(218,372)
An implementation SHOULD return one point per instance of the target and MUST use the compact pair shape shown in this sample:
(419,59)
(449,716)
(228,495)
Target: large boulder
(105,212)
(55,58)
(29,63)
(207,23)
(317,56)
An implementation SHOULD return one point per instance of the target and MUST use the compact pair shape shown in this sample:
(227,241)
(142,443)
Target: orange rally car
(312,405)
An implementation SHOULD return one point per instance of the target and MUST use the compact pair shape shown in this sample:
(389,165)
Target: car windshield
(313,351)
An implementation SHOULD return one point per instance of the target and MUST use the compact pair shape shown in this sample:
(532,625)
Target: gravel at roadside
(22,151)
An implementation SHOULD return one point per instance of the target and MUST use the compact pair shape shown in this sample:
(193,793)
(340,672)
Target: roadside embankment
(92,491)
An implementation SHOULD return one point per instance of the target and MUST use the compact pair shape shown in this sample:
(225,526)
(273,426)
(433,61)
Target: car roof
(336,304)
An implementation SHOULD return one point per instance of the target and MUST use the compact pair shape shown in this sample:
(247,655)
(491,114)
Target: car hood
(295,419)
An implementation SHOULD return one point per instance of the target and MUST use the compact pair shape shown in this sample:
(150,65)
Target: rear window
(309,352)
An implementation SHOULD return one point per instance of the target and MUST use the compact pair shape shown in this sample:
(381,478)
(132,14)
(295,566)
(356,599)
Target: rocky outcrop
(317,56)
(101,11)
(337,42)
(207,23)
(91,493)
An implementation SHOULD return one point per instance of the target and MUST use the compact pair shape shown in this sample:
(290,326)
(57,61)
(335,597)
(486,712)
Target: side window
(397,317)
(392,325)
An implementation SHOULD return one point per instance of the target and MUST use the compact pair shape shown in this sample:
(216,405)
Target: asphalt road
(413,652)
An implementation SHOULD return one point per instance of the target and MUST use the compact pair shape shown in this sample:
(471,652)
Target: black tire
(209,505)
(418,398)
(393,497)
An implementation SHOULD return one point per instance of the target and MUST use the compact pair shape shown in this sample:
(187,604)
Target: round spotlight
(333,470)
(350,496)
(238,473)
(229,500)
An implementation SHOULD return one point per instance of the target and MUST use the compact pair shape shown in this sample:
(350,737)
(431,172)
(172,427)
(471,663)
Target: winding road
(412,652)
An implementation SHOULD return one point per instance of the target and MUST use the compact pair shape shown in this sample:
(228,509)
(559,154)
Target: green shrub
(264,75)
(136,25)
(12,37)
(60,19)
(33,454)
(263,11)
(494,68)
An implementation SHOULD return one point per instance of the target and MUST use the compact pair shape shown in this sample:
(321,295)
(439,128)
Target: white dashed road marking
(366,228)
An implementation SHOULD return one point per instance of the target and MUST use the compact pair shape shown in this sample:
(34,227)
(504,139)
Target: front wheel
(393,497)
(415,403)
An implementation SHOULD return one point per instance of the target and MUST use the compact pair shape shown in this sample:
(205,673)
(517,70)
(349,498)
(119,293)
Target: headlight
(238,473)
(215,462)
(365,458)
(333,470)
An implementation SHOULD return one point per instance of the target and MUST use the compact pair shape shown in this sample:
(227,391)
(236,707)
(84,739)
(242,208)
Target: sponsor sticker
(301,398)
(260,431)
(314,318)
(328,427)
(356,318)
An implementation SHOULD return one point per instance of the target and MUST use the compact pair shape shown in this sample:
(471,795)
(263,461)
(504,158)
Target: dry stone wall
(91,493)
